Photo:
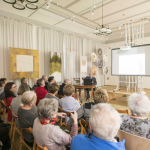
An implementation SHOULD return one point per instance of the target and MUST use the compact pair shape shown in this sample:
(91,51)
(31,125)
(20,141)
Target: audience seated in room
(68,102)
(9,90)
(46,133)
(104,124)
(51,80)
(53,89)
(27,114)
(138,123)
(35,84)
(100,96)
(44,77)
(40,90)
(24,81)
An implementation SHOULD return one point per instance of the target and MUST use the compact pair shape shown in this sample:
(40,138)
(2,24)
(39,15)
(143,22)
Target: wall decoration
(100,51)
(93,57)
(83,63)
(23,63)
(94,70)
(55,65)
(105,70)
(105,57)
(100,63)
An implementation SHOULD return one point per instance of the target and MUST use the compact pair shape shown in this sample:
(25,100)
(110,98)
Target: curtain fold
(49,41)
(16,34)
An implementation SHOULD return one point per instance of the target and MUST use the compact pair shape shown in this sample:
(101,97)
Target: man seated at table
(94,82)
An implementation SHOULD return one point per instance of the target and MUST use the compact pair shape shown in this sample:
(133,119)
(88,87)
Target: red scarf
(48,121)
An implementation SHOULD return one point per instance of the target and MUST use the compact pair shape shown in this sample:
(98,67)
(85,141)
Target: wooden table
(81,86)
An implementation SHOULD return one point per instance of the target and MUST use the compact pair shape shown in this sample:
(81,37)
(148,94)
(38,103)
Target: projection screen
(132,62)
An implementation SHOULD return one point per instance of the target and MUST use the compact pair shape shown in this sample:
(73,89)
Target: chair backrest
(126,111)
(28,130)
(39,147)
(3,103)
(84,122)
(133,142)
(61,96)
(16,117)
(60,110)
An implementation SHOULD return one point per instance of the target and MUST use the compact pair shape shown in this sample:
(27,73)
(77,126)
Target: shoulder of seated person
(79,137)
(88,105)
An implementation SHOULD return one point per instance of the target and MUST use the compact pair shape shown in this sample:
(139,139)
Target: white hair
(139,104)
(35,81)
(105,121)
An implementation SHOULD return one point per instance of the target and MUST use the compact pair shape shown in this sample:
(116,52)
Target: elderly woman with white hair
(46,133)
(138,123)
(104,124)
(27,114)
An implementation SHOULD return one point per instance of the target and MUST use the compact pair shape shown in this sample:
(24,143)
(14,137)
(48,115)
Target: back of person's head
(68,90)
(40,82)
(104,121)
(47,108)
(23,88)
(44,77)
(28,97)
(7,91)
(23,80)
(53,88)
(139,104)
(50,79)
(35,81)
(66,81)
(100,96)
(2,81)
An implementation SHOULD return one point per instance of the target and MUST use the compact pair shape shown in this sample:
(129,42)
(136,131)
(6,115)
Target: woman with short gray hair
(104,124)
(45,132)
(138,123)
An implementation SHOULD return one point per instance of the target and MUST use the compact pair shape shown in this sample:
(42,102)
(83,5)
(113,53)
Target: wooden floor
(121,96)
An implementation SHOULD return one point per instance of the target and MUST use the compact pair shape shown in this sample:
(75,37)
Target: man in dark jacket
(45,78)
(94,82)
(66,82)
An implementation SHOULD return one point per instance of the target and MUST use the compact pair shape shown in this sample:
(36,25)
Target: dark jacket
(1,93)
(34,87)
(93,79)
(60,92)
(46,86)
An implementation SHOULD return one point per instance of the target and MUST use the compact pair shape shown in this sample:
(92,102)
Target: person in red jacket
(40,90)
(9,90)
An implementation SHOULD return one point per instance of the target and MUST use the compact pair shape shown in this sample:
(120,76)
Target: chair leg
(12,123)
(4,114)
(20,144)
(13,137)
(34,145)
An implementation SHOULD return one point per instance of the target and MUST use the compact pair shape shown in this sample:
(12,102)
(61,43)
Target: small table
(81,86)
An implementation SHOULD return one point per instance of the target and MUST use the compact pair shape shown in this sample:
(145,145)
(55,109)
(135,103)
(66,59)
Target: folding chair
(84,126)
(4,110)
(39,147)
(126,111)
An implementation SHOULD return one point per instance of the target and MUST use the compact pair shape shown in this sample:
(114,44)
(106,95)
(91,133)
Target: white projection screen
(132,62)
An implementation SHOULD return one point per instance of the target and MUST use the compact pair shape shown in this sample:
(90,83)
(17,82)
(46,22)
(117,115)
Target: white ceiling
(115,12)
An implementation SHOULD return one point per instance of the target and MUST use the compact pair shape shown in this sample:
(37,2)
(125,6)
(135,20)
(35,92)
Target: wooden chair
(28,130)
(133,142)
(39,147)
(14,131)
(84,126)
(61,96)
(126,111)
(62,120)
(4,110)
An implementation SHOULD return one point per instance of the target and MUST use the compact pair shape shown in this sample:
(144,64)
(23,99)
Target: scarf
(48,121)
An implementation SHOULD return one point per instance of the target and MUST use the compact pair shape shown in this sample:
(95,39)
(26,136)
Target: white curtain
(72,46)
(49,41)
(15,34)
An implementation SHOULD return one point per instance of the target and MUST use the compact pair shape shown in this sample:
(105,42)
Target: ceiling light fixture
(20,4)
(92,11)
(72,18)
(47,5)
(102,29)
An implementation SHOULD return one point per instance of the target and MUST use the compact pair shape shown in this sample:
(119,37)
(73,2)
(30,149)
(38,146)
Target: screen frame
(131,47)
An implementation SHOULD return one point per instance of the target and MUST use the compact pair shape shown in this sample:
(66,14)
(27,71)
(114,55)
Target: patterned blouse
(139,127)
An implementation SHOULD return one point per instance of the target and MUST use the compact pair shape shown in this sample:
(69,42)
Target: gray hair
(67,81)
(105,121)
(28,97)
(139,104)
(35,81)
(47,108)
